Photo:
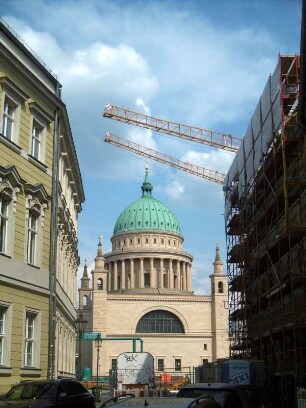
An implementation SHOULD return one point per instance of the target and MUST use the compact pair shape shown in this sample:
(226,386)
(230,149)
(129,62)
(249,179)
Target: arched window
(100,284)
(159,321)
(220,287)
(85,301)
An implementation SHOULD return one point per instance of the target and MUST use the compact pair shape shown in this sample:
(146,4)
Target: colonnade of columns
(130,273)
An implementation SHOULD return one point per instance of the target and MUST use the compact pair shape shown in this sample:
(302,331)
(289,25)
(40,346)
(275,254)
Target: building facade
(265,215)
(40,198)
(142,289)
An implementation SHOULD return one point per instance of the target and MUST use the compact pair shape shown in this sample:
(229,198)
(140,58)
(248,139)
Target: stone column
(109,281)
(161,273)
(123,274)
(132,273)
(184,276)
(171,278)
(141,274)
(115,275)
(188,277)
(153,282)
(178,274)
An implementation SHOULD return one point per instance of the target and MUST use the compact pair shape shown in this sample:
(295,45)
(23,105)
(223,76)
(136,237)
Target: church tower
(85,290)
(219,309)
(99,291)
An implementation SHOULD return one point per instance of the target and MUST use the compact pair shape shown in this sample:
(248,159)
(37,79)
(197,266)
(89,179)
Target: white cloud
(217,160)
(175,190)
(140,103)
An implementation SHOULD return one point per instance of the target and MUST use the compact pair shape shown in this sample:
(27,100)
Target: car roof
(212,386)
(209,385)
(47,380)
(153,402)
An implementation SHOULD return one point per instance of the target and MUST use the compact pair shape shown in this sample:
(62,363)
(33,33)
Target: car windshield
(31,391)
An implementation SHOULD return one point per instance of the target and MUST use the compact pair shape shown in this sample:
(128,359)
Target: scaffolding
(265,218)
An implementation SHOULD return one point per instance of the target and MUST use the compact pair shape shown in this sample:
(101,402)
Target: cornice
(164,335)
(146,232)
(34,82)
(159,298)
(149,253)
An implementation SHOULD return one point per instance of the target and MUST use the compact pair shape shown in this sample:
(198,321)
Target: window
(36,204)
(100,284)
(147,241)
(5,334)
(159,321)
(204,361)
(114,363)
(220,287)
(160,364)
(8,118)
(10,184)
(138,240)
(85,301)
(204,346)
(13,98)
(4,204)
(40,122)
(29,346)
(2,333)
(162,241)
(36,144)
(32,238)
(147,280)
(177,364)
(154,240)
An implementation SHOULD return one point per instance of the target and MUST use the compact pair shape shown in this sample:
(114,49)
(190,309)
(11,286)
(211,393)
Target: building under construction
(265,217)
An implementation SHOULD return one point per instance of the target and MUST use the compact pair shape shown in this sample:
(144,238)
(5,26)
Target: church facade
(142,290)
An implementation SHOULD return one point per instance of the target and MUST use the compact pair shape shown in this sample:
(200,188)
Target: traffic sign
(91,336)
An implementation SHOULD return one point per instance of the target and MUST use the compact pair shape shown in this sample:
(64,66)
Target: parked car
(226,395)
(158,402)
(63,393)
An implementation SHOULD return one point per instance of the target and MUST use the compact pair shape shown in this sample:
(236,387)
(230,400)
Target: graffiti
(130,358)
(135,368)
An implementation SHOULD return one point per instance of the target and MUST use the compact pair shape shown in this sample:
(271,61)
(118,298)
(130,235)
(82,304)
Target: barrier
(139,393)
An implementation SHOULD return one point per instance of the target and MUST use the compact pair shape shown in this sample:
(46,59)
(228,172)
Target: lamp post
(80,329)
(98,344)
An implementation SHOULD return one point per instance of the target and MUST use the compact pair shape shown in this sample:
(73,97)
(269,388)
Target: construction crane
(207,174)
(211,138)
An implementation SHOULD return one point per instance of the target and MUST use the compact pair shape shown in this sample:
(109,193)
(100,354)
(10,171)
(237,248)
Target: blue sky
(199,62)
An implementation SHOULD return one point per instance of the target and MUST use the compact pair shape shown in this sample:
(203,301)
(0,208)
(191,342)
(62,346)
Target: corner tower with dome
(142,288)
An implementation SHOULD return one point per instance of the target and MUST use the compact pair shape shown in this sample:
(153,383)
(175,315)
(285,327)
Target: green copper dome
(147,213)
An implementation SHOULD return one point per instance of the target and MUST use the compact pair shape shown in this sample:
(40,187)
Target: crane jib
(219,140)
(211,175)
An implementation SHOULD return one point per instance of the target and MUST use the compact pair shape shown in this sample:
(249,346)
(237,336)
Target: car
(130,401)
(226,395)
(63,393)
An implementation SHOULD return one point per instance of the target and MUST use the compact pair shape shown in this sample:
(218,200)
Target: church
(141,294)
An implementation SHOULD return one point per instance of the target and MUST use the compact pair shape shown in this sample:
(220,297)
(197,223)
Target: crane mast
(207,174)
(211,138)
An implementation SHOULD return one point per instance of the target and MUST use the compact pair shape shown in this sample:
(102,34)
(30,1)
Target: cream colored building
(142,289)
(40,198)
